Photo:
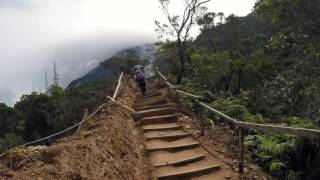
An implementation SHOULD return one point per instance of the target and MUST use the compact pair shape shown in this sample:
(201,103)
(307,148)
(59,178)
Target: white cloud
(33,33)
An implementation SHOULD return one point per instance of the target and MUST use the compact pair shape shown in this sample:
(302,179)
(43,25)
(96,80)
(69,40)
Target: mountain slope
(144,52)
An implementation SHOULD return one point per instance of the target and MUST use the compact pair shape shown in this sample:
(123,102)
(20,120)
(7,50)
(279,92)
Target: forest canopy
(261,68)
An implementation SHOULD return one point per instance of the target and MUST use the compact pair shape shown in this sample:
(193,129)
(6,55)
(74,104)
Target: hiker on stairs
(139,76)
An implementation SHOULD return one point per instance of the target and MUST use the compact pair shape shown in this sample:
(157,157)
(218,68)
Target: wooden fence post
(83,119)
(178,101)
(200,117)
(241,158)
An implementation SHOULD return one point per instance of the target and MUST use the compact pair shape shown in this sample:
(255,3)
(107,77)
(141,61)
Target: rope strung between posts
(56,134)
(123,105)
(85,118)
(309,133)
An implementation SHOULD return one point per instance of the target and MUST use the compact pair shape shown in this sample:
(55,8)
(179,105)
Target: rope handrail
(173,87)
(85,118)
(188,94)
(311,133)
(165,79)
(121,104)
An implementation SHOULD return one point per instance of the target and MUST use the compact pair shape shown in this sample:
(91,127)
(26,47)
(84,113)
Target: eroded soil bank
(107,147)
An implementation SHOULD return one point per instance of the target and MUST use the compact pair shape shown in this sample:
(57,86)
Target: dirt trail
(108,147)
(155,142)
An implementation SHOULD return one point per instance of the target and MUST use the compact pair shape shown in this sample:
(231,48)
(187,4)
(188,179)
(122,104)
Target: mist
(77,34)
(35,33)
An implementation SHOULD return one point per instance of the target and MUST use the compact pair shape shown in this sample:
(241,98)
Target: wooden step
(151,90)
(173,147)
(147,95)
(182,161)
(168,136)
(167,126)
(157,100)
(168,116)
(161,133)
(162,157)
(153,107)
(153,112)
(142,99)
(148,92)
(169,142)
(189,171)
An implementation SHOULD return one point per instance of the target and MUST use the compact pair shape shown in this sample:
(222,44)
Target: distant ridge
(144,52)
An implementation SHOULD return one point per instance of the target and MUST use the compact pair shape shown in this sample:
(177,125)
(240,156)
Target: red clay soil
(108,147)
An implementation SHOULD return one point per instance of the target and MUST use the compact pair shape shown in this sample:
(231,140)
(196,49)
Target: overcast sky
(77,34)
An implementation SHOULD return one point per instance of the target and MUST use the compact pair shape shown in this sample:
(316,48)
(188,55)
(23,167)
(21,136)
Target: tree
(296,16)
(207,24)
(179,28)
(56,91)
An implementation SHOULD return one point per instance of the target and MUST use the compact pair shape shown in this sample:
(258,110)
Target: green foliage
(275,151)
(294,15)
(39,115)
(10,140)
(275,167)
(56,91)
(262,68)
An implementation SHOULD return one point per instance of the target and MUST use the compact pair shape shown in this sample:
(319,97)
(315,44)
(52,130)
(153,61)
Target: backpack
(138,74)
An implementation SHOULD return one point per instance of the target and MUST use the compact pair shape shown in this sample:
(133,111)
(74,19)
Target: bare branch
(182,27)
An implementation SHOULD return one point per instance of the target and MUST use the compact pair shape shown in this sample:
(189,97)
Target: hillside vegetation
(38,115)
(262,68)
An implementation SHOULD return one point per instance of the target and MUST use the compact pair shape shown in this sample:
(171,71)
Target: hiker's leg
(142,86)
(143,89)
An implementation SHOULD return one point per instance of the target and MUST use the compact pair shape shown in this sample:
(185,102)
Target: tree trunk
(239,82)
(212,44)
(229,78)
(181,52)
(180,76)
